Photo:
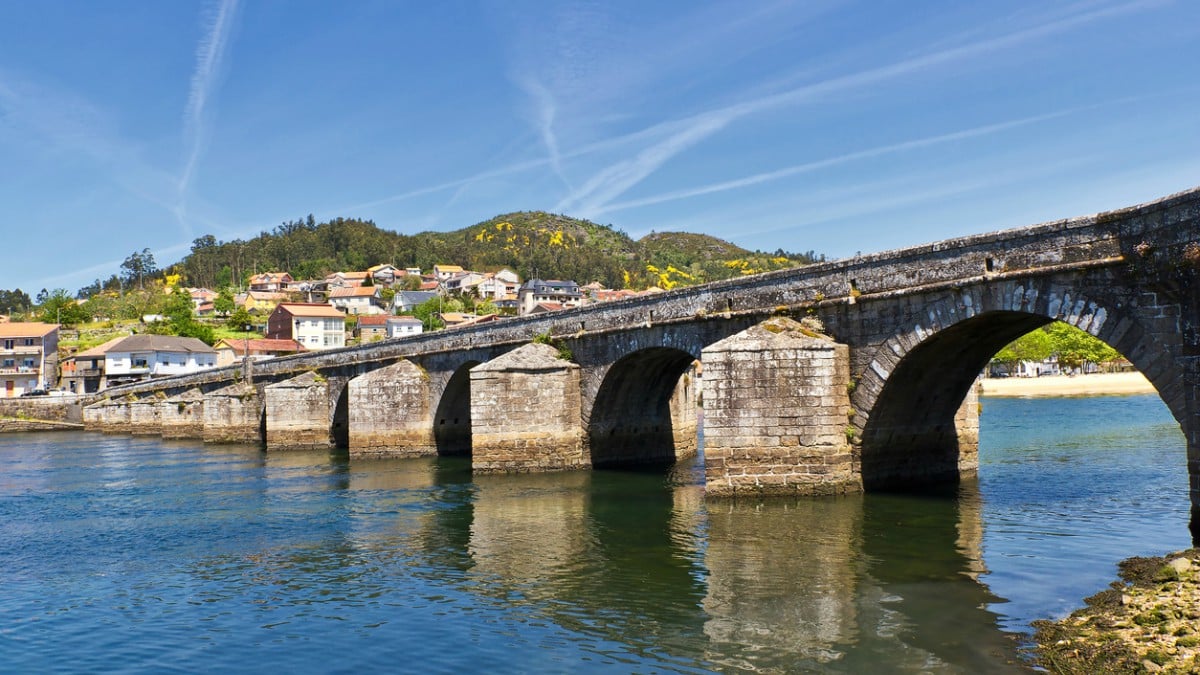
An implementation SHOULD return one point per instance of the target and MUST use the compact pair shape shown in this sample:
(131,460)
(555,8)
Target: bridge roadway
(877,392)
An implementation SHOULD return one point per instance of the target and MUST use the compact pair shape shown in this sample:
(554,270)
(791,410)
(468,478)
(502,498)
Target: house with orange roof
(28,357)
(314,325)
(356,300)
(233,350)
(270,282)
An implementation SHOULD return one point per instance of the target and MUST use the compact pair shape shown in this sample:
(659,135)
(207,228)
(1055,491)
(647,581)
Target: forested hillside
(533,244)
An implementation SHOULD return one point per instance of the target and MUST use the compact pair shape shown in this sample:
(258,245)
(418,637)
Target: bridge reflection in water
(638,559)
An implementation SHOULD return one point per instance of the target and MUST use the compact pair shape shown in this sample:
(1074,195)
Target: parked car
(36,392)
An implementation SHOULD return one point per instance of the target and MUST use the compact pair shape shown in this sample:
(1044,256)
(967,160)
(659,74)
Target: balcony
(12,370)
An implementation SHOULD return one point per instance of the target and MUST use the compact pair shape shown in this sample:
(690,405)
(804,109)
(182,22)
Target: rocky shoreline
(1149,622)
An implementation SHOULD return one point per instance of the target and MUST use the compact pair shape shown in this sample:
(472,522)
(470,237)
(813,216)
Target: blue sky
(830,125)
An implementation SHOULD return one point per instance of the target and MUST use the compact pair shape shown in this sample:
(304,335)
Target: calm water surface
(138,555)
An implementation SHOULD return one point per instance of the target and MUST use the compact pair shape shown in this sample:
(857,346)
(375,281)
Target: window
(9,363)
(28,342)
(139,362)
(29,363)
(8,344)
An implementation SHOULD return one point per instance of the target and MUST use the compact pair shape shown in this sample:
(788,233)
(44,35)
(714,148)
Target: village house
(83,373)
(233,350)
(140,357)
(371,328)
(29,358)
(564,294)
(356,300)
(259,302)
(201,297)
(499,285)
(346,279)
(403,326)
(406,301)
(443,272)
(462,282)
(270,282)
(316,326)
(385,274)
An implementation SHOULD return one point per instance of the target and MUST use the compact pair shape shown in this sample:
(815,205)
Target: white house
(139,357)
(356,299)
(401,326)
(316,326)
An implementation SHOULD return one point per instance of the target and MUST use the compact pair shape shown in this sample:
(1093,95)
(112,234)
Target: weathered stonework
(685,417)
(390,413)
(525,413)
(93,416)
(182,416)
(299,414)
(233,414)
(144,416)
(775,413)
(966,423)
(116,415)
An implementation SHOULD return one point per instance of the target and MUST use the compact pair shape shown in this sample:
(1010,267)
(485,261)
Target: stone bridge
(843,376)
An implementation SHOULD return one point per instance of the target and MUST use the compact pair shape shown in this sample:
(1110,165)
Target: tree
(60,307)
(239,319)
(138,266)
(1033,346)
(224,303)
(428,312)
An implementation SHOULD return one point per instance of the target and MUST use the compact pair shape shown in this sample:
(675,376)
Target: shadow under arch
(339,431)
(452,421)
(910,438)
(632,421)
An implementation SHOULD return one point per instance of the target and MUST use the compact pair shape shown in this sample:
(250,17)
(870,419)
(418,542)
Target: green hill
(533,244)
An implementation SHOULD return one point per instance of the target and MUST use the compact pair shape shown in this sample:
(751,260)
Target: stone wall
(182,416)
(299,416)
(776,410)
(525,413)
(48,408)
(233,414)
(390,413)
(144,416)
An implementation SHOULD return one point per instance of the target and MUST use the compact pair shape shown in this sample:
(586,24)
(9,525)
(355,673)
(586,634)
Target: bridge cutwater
(878,392)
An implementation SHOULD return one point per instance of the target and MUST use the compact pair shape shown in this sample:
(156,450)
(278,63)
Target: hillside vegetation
(533,244)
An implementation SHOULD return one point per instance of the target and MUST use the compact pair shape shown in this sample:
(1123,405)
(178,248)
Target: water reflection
(232,551)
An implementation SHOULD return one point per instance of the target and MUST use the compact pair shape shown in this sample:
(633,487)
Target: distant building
(444,272)
(260,302)
(233,350)
(270,282)
(537,291)
(29,358)
(371,328)
(346,279)
(405,301)
(356,299)
(316,326)
(403,326)
(134,358)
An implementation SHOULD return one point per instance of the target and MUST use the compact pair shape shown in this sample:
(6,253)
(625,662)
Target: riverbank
(1147,623)
(1098,384)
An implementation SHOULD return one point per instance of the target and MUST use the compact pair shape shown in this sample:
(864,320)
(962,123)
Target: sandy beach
(1068,385)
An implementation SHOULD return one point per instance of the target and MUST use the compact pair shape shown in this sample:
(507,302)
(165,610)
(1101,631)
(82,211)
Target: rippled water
(138,555)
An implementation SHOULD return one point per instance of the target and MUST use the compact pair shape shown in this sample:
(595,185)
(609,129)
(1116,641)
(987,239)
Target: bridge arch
(644,409)
(910,392)
(452,419)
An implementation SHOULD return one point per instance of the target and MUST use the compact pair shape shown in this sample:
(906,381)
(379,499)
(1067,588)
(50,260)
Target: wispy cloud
(880,151)
(210,55)
(595,194)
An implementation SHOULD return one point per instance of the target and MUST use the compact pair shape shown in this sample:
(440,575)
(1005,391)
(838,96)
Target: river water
(137,555)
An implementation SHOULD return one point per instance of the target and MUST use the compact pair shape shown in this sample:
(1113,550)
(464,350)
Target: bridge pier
(526,413)
(114,416)
(389,413)
(299,414)
(233,414)
(144,417)
(182,416)
(1191,430)
(776,413)
(685,418)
